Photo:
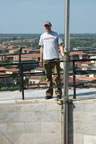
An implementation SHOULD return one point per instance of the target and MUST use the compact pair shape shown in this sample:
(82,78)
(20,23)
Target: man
(49,57)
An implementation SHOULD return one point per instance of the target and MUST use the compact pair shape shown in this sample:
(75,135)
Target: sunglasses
(47,25)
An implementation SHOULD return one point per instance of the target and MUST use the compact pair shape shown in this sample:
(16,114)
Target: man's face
(47,27)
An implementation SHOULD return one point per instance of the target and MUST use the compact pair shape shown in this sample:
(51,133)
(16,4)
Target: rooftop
(83,93)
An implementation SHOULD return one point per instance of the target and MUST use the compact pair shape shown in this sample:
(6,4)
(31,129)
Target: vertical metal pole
(20,67)
(22,82)
(74,80)
(67,25)
(21,74)
(66,68)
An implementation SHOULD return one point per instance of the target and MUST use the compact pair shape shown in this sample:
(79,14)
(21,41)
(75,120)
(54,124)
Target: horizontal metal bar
(37,62)
(83,60)
(19,53)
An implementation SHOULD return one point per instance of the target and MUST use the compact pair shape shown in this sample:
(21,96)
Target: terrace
(82,77)
(25,115)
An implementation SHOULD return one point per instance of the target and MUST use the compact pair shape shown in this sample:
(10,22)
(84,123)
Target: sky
(28,16)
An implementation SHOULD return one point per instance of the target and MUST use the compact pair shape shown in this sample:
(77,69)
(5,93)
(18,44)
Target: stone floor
(88,93)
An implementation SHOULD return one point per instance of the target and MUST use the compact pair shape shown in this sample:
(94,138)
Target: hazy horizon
(40,33)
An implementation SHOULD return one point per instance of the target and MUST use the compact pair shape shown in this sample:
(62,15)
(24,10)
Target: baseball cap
(47,23)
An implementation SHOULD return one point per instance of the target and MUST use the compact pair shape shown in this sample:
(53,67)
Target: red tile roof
(43,81)
(40,68)
(12,70)
(3,69)
(35,77)
(32,86)
(87,62)
(78,53)
(87,78)
(31,55)
(83,66)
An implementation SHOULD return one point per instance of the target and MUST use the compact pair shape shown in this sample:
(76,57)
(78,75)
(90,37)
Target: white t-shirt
(50,43)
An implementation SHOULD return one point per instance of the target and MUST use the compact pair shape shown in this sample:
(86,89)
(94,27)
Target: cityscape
(82,47)
(47,72)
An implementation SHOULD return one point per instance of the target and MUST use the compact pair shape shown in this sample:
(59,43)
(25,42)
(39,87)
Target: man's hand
(62,53)
(41,63)
(61,49)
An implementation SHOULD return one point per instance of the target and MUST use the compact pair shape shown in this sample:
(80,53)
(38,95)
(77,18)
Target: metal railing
(80,72)
(21,73)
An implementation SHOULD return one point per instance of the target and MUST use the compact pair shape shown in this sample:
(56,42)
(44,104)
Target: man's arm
(41,56)
(61,49)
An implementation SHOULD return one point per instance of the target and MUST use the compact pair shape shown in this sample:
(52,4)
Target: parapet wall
(30,122)
(40,122)
(82,122)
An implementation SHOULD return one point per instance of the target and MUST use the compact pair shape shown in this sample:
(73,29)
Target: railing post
(74,80)
(21,74)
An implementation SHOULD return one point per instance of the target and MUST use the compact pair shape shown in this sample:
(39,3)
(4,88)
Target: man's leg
(56,69)
(48,71)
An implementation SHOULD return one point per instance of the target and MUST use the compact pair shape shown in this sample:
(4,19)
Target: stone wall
(30,122)
(41,122)
(82,122)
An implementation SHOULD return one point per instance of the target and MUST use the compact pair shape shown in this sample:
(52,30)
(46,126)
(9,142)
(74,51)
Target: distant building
(34,79)
(27,50)
(78,55)
(12,51)
(1,58)
(84,48)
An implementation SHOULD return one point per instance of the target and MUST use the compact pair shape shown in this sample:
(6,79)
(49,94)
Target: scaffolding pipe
(66,69)
(67,25)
